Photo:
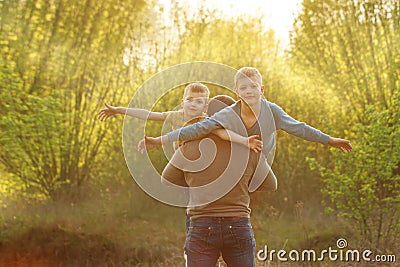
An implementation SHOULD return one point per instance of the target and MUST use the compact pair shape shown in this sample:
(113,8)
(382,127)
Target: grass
(122,229)
(108,231)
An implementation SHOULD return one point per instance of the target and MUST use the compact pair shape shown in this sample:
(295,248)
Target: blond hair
(196,88)
(248,72)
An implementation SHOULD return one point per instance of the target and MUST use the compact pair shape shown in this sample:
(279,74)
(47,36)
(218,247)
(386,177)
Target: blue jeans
(208,237)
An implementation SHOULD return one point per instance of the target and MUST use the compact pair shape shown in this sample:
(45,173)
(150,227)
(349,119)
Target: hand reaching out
(148,143)
(341,144)
(254,143)
(107,112)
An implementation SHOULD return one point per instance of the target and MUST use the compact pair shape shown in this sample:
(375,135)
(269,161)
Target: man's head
(219,102)
(194,101)
(248,82)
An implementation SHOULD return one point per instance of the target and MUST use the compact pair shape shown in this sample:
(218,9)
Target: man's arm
(171,173)
(142,114)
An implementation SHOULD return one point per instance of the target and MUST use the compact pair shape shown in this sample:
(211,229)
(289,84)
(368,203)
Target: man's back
(231,168)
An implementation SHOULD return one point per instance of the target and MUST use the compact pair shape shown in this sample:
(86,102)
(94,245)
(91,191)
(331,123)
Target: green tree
(365,187)
(351,48)
(354,47)
(61,60)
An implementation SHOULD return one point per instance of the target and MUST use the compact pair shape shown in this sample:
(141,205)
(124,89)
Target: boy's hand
(254,143)
(107,112)
(341,144)
(148,143)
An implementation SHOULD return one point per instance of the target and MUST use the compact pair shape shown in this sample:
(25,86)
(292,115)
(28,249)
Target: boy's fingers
(349,147)
(139,145)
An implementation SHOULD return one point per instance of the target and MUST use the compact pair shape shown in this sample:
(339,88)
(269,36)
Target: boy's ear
(262,89)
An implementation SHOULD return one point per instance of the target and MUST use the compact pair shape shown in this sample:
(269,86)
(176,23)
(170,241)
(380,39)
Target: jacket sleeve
(194,131)
(300,129)
(221,119)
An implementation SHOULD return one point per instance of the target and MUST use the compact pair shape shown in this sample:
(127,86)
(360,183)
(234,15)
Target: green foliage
(60,61)
(208,35)
(31,130)
(365,186)
(353,46)
(351,49)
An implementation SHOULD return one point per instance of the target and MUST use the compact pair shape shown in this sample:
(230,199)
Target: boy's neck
(187,118)
(249,111)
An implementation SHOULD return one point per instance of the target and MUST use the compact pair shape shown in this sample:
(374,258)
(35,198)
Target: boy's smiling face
(249,90)
(194,104)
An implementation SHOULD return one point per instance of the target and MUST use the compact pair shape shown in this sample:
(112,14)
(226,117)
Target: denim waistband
(221,219)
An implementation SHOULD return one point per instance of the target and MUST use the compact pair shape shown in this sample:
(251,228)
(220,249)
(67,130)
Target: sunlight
(279,15)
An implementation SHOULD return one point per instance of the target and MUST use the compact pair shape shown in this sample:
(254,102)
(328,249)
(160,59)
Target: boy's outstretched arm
(341,144)
(301,129)
(142,114)
(152,142)
(251,142)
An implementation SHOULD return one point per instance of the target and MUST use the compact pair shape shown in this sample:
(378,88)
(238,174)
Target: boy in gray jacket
(252,115)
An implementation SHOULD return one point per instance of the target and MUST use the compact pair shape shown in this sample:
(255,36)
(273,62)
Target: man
(218,198)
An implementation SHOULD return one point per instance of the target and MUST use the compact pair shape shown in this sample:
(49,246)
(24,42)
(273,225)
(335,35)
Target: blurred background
(66,195)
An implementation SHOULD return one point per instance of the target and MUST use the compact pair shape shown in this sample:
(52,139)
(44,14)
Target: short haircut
(219,102)
(196,88)
(247,72)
